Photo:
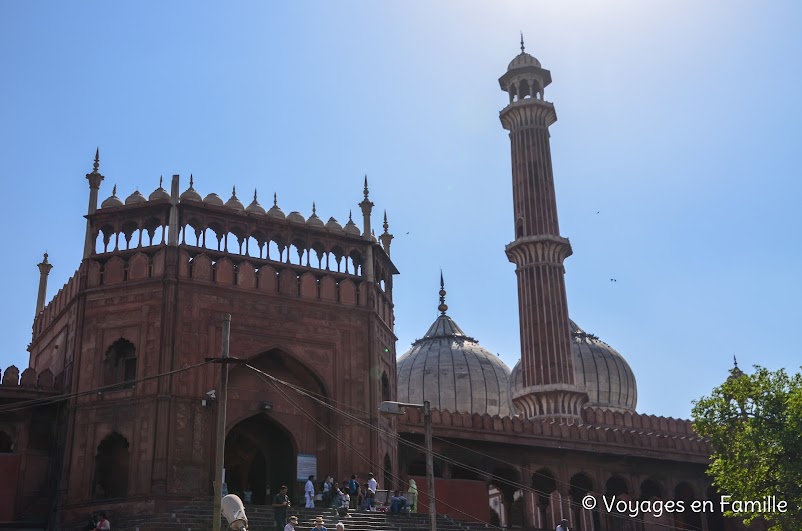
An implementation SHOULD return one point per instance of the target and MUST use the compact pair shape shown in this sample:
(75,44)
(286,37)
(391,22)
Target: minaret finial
(45,259)
(522,42)
(275,199)
(386,226)
(443,307)
(96,165)
(366,187)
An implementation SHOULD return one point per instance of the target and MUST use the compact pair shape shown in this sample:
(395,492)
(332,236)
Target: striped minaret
(538,251)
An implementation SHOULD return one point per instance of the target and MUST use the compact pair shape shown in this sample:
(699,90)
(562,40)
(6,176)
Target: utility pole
(221,425)
(427,428)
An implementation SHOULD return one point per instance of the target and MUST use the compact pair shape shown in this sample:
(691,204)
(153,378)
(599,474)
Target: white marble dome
(599,370)
(450,370)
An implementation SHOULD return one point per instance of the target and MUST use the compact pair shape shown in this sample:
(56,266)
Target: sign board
(307,466)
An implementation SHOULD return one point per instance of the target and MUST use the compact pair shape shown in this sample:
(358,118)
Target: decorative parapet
(601,428)
(13,383)
(57,304)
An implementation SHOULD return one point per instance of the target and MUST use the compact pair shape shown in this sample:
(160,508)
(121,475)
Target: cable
(18,406)
(273,381)
(521,486)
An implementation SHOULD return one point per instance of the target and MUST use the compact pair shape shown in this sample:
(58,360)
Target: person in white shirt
(293,521)
(309,492)
(372,483)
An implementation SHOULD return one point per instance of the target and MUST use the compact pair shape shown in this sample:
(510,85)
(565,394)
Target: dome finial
(314,209)
(275,199)
(522,42)
(233,191)
(349,216)
(161,180)
(114,191)
(443,307)
(96,165)
(734,361)
(191,181)
(254,194)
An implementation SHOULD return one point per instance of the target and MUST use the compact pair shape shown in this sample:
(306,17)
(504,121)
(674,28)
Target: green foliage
(755,424)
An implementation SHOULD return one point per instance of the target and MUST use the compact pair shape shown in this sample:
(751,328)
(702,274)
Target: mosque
(117,409)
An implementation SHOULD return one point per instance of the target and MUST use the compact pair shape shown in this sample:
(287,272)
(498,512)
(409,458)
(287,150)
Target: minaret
(538,251)
(94,179)
(44,271)
(367,207)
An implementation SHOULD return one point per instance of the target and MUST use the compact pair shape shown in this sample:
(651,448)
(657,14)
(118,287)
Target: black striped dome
(451,370)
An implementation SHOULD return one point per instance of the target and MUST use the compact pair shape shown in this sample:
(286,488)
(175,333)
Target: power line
(449,460)
(18,406)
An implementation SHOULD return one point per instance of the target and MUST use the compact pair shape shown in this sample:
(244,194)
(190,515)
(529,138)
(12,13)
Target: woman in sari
(413,489)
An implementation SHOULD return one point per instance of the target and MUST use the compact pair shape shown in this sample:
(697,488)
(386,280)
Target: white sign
(307,466)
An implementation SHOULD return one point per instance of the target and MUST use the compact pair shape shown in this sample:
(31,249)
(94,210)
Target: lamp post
(397,408)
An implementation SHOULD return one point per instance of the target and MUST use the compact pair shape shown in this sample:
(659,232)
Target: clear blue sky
(679,123)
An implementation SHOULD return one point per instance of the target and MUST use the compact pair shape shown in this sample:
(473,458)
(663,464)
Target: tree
(754,422)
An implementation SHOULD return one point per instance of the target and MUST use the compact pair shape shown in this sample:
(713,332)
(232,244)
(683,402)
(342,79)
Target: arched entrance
(259,457)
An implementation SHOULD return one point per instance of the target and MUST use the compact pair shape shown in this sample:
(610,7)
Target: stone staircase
(197,517)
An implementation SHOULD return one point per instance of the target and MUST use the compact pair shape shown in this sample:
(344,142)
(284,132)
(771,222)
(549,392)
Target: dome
(523,60)
(190,194)
(603,372)
(159,193)
(351,228)
(112,200)
(275,211)
(451,370)
(333,225)
(234,202)
(213,199)
(255,207)
(135,198)
(313,220)
(296,217)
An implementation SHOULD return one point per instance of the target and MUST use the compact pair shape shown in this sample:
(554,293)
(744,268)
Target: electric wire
(520,486)
(25,404)
(274,382)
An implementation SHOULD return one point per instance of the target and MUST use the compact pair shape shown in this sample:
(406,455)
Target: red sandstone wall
(461,499)
(9,471)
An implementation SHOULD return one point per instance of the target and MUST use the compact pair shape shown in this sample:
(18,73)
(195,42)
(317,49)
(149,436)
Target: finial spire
(522,42)
(233,191)
(314,209)
(45,258)
(275,199)
(366,192)
(96,165)
(161,180)
(191,181)
(254,194)
(386,226)
(443,307)
(114,190)
(349,216)
(735,361)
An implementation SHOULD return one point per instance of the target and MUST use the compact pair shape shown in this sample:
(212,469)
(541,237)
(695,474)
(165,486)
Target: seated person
(398,503)
(345,503)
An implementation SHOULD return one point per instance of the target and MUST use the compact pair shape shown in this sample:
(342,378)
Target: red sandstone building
(311,303)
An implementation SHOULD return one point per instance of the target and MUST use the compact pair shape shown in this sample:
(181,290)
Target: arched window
(119,364)
(6,444)
(111,468)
